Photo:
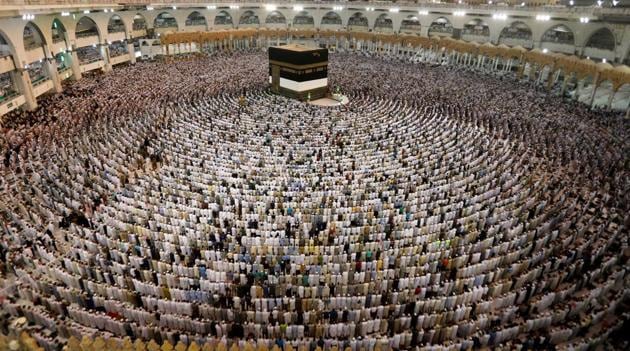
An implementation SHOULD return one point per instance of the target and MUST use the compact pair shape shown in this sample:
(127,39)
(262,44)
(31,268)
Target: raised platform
(330,102)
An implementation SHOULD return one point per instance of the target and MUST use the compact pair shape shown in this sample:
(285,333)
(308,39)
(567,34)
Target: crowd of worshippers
(477,212)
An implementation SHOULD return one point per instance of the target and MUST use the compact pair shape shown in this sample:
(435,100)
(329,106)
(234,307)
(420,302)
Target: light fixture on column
(270,7)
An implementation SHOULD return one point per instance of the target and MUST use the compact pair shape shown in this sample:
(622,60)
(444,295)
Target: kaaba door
(275,78)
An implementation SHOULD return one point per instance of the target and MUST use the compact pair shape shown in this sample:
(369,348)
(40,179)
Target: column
(132,53)
(592,98)
(51,67)
(106,58)
(23,83)
(75,65)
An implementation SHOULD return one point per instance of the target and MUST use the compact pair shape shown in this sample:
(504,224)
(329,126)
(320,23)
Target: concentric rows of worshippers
(439,209)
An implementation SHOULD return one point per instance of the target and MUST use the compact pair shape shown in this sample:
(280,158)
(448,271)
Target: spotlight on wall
(337,8)
(500,16)
(423,12)
(234,7)
(584,19)
(394,10)
(298,8)
(65,14)
(545,50)
(571,3)
(369,9)
(149,8)
(271,7)
(604,60)
(28,17)
(540,17)
(459,13)
(86,11)
(212,7)
(174,7)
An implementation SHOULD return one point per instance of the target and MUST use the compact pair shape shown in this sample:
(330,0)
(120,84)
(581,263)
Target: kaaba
(298,72)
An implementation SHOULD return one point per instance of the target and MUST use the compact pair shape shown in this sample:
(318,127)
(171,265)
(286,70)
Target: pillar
(610,99)
(51,67)
(132,53)
(105,53)
(592,98)
(23,83)
(75,65)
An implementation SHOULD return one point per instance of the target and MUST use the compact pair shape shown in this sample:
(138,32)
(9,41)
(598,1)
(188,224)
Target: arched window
(223,19)
(358,21)
(139,22)
(441,26)
(602,39)
(275,17)
(517,33)
(196,19)
(476,27)
(383,23)
(33,37)
(86,28)
(115,25)
(303,19)
(331,18)
(165,20)
(559,34)
(58,31)
(411,24)
(249,19)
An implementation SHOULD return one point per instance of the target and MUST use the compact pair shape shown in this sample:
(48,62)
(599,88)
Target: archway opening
(410,25)
(249,19)
(441,26)
(165,20)
(195,18)
(517,34)
(621,100)
(332,18)
(275,17)
(86,28)
(476,28)
(115,25)
(58,31)
(559,34)
(33,37)
(223,19)
(139,22)
(358,22)
(383,23)
(303,19)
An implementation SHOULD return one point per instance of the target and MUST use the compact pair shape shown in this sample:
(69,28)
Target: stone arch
(139,22)
(249,19)
(441,26)
(303,19)
(223,18)
(275,17)
(86,27)
(195,18)
(621,99)
(6,46)
(358,21)
(558,34)
(603,39)
(58,31)
(517,33)
(165,20)
(331,18)
(32,36)
(411,24)
(384,23)
(116,25)
(476,27)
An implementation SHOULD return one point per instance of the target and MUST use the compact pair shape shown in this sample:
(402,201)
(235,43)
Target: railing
(86,34)
(90,60)
(8,96)
(39,80)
